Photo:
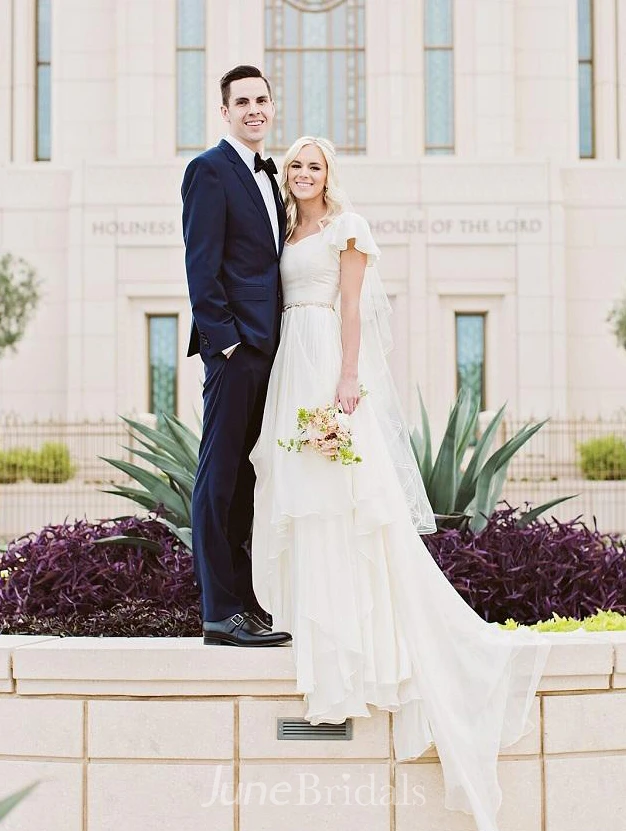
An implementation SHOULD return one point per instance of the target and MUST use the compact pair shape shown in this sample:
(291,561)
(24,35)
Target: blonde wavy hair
(333,195)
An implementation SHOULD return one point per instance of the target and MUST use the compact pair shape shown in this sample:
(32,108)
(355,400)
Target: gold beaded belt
(309,303)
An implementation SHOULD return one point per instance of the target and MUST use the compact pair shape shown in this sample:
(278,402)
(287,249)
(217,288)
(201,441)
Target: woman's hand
(347,394)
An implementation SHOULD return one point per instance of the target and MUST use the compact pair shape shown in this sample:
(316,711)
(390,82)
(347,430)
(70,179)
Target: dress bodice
(309,268)
(309,271)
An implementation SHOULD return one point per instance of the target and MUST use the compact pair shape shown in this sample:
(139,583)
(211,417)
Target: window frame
(440,149)
(149,316)
(188,150)
(484,315)
(359,119)
(590,62)
(38,157)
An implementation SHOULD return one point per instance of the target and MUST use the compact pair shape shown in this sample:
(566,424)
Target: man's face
(250,111)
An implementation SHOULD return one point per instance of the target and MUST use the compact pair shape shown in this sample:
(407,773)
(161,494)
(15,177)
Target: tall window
(42,83)
(585,80)
(162,364)
(439,77)
(190,78)
(470,354)
(315,61)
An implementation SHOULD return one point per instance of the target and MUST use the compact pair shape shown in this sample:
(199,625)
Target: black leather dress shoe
(241,630)
(262,617)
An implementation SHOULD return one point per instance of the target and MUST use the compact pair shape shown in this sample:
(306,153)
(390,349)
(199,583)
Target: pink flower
(325,430)
(329,447)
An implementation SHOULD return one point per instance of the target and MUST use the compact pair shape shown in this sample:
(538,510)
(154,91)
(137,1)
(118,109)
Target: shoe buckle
(237,619)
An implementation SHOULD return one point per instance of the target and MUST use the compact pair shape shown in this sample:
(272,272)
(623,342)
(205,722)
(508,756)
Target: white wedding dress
(338,562)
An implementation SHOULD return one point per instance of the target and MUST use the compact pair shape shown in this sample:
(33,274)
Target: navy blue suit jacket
(230,255)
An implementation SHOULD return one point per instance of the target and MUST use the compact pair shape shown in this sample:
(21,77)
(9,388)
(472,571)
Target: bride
(337,555)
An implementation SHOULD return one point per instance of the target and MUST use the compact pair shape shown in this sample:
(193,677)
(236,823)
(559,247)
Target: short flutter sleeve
(349,226)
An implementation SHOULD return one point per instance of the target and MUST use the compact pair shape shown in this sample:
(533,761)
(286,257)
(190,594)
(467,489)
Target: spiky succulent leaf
(9,802)
(467,485)
(138,542)
(443,479)
(531,516)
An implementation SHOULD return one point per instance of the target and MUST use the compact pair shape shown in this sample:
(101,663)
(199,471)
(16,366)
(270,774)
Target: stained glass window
(439,77)
(162,364)
(43,86)
(585,79)
(470,354)
(315,62)
(190,77)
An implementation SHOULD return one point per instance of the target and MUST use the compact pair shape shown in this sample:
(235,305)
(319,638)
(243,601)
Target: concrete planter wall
(151,734)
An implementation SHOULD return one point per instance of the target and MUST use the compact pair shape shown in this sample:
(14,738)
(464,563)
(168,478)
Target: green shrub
(52,464)
(602,621)
(7,476)
(15,464)
(603,458)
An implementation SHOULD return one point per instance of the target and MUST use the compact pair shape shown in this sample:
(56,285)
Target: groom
(234,229)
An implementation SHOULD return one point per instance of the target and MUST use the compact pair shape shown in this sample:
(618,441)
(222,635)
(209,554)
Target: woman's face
(307,174)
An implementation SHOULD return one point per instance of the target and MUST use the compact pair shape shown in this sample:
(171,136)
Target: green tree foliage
(19,296)
(617,319)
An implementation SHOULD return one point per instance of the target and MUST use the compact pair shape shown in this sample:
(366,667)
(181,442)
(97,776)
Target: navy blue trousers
(223,496)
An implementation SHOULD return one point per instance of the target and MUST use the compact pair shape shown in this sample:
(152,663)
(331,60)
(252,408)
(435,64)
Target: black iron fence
(586,457)
(51,471)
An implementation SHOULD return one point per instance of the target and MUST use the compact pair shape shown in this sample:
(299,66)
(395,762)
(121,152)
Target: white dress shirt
(265,187)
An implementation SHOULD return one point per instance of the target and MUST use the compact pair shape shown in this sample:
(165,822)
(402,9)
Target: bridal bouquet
(326,430)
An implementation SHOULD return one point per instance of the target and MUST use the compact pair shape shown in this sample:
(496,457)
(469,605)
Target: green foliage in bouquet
(469,496)
(172,448)
(603,458)
(330,436)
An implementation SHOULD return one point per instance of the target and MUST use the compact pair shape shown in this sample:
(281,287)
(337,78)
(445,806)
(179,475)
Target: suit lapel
(281,213)
(247,180)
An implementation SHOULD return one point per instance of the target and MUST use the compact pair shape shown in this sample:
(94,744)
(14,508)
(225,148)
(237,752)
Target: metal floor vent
(298,729)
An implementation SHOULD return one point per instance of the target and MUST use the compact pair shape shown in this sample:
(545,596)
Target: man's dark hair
(237,74)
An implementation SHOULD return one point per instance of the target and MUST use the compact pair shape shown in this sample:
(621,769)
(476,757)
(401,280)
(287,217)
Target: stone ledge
(161,721)
(8,645)
(580,661)
(149,667)
(152,667)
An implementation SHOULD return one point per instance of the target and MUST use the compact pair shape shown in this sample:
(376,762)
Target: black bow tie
(267,165)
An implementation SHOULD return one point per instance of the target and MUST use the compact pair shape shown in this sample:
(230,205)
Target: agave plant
(460,497)
(14,799)
(172,448)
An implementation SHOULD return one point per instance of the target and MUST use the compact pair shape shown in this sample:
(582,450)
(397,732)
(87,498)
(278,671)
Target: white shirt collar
(246,154)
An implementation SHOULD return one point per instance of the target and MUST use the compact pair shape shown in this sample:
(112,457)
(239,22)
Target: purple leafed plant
(60,582)
(529,573)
